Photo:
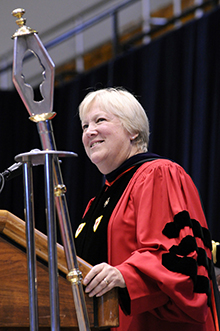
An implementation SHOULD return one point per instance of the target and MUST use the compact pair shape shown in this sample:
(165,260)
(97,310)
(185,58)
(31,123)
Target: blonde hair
(126,107)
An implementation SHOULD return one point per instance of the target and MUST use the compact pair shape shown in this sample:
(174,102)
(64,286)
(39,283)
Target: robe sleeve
(168,273)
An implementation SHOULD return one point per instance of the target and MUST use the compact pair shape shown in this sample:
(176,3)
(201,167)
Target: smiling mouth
(96,143)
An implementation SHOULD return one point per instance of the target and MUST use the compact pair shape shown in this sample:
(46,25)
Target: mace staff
(41,113)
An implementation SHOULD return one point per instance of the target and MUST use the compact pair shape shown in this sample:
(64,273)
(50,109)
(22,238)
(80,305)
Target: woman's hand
(101,279)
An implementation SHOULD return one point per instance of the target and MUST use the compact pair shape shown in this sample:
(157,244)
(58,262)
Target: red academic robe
(161,297)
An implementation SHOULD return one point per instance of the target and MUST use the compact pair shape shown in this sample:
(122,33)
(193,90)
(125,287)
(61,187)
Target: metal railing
(197,10)
(150,26)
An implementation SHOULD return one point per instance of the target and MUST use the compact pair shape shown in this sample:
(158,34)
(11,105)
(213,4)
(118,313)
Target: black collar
(129,163)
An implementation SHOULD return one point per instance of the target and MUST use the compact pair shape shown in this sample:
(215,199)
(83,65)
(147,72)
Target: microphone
(9,173)
(13,171)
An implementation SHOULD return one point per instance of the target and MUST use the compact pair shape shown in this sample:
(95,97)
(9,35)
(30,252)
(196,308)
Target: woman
(145,232)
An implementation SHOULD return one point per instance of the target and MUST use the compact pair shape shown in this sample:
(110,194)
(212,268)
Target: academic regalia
(149,223)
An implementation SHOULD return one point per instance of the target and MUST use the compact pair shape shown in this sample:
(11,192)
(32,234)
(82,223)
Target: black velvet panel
(92,245)
(202,233)
(177,259)
(184,265)
(181,220)
(202,285)
(188,266)
(203,260)
(186,246)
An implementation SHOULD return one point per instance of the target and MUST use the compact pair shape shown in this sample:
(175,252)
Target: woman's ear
(134,136)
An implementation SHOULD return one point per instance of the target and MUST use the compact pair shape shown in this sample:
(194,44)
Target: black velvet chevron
(177,259)
(181,220)
(186,246)
(184,265)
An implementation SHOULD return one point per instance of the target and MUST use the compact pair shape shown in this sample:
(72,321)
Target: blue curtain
(176,78)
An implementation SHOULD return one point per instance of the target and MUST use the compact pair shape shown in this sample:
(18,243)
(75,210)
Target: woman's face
(105,139)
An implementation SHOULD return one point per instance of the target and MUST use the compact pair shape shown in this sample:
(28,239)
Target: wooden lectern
(14,300)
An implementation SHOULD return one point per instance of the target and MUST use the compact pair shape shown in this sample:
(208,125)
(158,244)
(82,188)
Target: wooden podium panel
(14,300)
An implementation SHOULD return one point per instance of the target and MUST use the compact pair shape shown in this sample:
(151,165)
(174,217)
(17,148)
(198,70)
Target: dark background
(177,80)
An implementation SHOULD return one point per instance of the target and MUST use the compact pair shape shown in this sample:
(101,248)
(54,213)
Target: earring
(134,137)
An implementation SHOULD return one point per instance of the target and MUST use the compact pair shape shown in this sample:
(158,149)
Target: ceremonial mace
(26,39)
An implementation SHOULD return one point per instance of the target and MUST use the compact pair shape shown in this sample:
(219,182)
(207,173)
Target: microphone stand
(41,113)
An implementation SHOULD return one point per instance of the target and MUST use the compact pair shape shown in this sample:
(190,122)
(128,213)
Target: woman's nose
(91,129)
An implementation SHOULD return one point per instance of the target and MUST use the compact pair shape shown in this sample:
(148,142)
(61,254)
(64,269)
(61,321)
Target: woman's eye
(84,127)
(101,119)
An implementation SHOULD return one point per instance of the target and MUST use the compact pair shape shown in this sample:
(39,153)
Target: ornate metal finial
(23,29)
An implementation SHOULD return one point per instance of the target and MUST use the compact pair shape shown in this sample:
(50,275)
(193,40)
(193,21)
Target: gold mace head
(23,29)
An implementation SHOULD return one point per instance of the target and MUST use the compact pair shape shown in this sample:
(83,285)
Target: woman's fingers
(102,278)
